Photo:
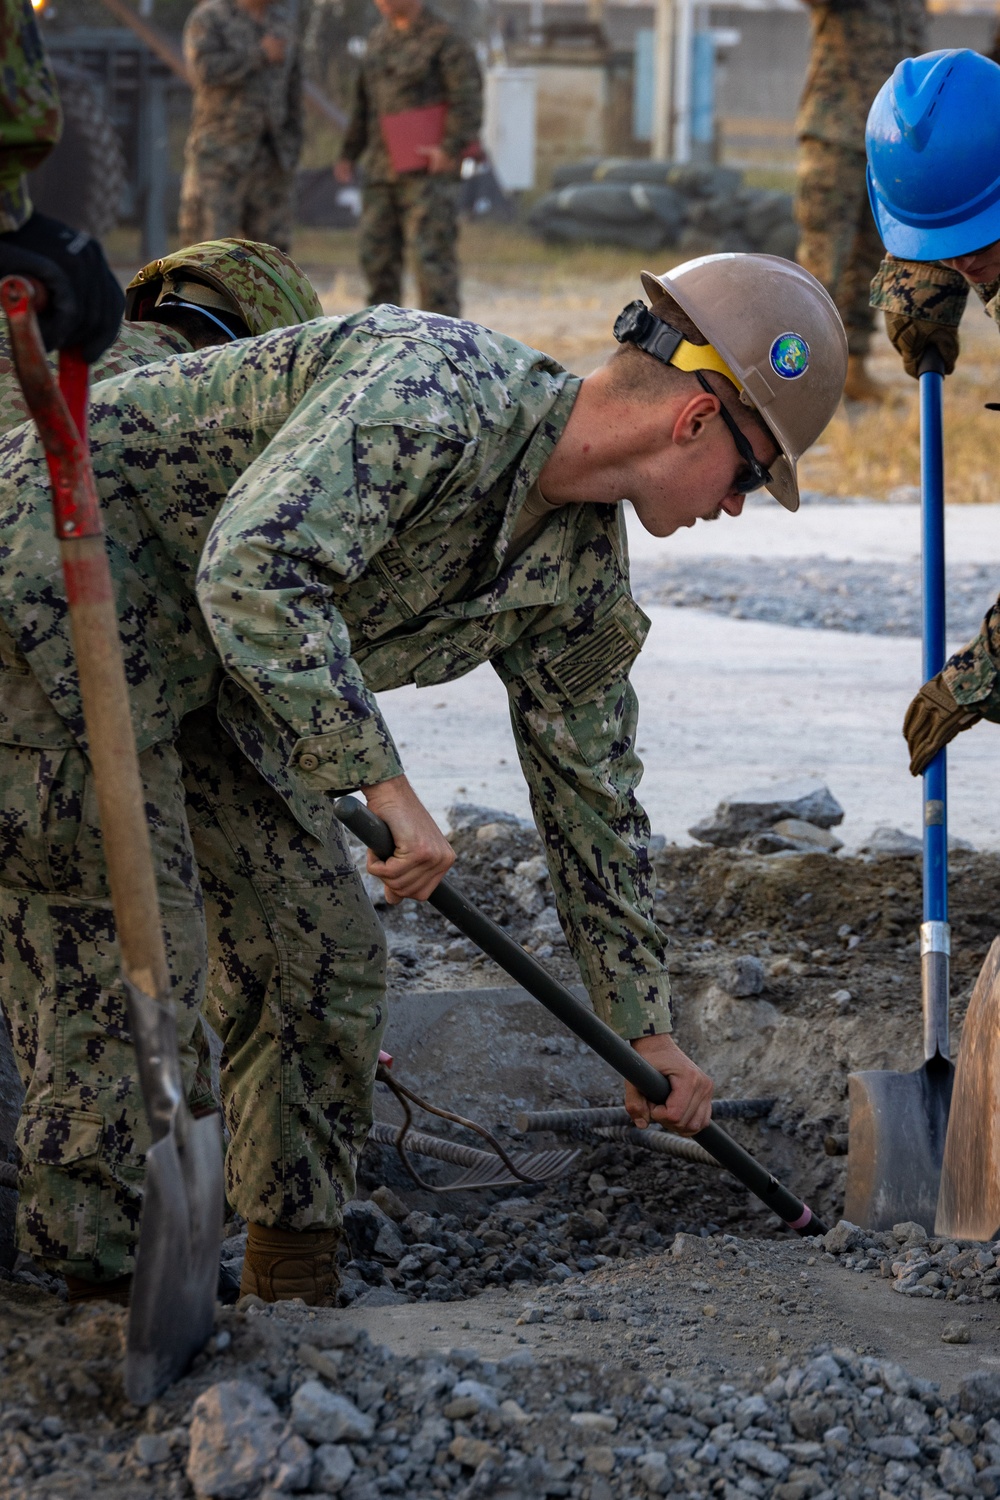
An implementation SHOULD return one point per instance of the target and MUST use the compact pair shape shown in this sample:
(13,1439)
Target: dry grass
(564,300)
(874,451)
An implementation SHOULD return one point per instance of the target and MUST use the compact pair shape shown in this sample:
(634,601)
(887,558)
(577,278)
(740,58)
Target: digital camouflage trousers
(422,212)
(839,243)
(224,196)
(269,933)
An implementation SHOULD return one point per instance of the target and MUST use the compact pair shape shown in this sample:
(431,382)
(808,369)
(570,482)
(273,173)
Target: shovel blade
(172,1306)
(969,1202)
(898,1123)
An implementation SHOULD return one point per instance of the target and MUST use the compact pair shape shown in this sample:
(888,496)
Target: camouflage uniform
(137,344)
(855,47)
(246,125)
(426,64)
(267,290)
(349,489)
(259,282)
(934,293)
(30,118)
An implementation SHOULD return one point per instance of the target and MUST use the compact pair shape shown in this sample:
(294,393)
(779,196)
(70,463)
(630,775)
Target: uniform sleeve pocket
(597,657)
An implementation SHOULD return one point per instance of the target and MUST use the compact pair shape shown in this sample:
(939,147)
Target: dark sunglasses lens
(747,481)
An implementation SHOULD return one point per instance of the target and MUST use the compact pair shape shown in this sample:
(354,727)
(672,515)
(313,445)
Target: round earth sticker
(789,356)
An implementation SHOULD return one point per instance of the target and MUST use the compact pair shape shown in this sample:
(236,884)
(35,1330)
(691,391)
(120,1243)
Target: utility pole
(683,50)
(663,77)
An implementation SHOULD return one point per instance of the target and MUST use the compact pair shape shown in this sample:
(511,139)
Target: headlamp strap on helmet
(635,324)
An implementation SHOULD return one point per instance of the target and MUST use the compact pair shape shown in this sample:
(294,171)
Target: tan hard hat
(779,333)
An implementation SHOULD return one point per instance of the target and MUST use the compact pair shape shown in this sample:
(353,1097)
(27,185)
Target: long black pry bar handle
(589,1028)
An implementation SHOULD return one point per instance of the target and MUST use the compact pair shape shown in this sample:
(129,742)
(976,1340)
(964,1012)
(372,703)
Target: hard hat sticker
(789,356)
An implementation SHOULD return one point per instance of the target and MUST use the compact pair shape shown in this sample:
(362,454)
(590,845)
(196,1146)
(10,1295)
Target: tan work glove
(912,337)
(932,720)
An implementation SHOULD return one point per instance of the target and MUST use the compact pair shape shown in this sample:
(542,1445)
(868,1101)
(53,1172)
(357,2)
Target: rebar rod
(572,1119)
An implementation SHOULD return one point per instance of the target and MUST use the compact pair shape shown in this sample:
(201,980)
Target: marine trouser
(267,929)
(421,211)
(225,194)
(839,243)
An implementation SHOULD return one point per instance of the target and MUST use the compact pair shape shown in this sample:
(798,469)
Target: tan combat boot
(284,1263)
(859,386)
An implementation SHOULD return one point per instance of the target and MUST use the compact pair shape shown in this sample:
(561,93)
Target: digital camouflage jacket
(30,119)
(239,96)
(344,493)
(856,44)
(426,64)
(137,344)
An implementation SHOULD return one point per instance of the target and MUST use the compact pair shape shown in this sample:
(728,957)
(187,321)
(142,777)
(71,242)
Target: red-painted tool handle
(59,413)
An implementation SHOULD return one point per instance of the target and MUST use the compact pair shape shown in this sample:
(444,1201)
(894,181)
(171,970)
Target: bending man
(295,523)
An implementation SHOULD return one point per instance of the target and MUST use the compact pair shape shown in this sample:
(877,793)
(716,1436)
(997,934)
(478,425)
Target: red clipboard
(405,132)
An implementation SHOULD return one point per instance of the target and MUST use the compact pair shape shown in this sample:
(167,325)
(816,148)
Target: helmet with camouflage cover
(257,283)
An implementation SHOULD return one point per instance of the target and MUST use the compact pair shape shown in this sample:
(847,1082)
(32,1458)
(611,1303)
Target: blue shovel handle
(934,933)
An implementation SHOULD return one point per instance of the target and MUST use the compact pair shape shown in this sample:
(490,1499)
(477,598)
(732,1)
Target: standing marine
(245,67)
(934,180)
(413,60)
(855,45)
(294,524)
(83,299)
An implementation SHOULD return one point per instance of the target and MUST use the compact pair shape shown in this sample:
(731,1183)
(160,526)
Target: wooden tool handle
(96,642)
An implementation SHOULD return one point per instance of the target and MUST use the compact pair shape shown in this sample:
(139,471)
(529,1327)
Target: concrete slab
(724,704)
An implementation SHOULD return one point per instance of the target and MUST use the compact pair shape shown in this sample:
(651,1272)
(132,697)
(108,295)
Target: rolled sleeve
(923,290)
(973,674)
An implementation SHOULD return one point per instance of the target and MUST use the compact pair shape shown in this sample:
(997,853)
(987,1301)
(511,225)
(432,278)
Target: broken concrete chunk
(370,1232)
(524,884)
(808,834)
(842,1237)
(909,1233)
(463,816)
(688,1247)
(332,1467)
(752,811)
(887,842)
(323,1416)
(980,1394)
(744,977)
(236,1433)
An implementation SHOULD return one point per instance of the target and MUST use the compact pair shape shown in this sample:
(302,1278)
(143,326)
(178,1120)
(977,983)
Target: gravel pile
(919,1266)
(290,1401)
(620,1203)
(817,593)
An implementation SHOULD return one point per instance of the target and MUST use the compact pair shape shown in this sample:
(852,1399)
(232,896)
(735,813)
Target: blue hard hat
(933,143)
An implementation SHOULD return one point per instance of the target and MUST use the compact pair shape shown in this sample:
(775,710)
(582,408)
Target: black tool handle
(589,1028)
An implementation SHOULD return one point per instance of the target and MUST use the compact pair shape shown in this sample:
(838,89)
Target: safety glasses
(753,475)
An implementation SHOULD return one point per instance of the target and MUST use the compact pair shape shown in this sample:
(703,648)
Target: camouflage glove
(932,720)
(85,303)
(912,337)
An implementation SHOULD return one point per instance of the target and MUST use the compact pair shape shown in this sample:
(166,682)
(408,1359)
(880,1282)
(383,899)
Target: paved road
(731,703)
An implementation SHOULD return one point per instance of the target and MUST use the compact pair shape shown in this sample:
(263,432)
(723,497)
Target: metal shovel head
(172,1306)
(969,1201)
(898,1123)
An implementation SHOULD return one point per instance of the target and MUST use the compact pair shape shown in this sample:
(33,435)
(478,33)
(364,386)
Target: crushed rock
(253,1420)
(916,1265)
